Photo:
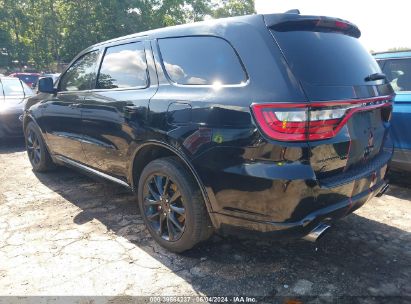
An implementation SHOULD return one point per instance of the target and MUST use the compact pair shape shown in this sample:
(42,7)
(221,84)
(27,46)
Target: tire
(36,149)
(168,189)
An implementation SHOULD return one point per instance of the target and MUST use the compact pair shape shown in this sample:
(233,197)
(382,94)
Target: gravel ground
(63,233)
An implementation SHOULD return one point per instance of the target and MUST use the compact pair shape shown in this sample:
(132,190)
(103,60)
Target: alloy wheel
(33,147)
(164,207)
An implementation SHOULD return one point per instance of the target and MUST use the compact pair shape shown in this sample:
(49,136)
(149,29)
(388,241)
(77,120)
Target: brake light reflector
(342,25)
(310,121)
(315,24)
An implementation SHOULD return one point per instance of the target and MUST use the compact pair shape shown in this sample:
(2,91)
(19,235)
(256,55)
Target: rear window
(201,61)
(398,72)
(323,58)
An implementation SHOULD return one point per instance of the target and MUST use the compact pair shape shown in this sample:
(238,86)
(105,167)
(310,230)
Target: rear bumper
(288,200)
(298,229)
(401,160)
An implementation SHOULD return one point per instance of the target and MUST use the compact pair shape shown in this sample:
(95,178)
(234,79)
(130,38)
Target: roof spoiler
(293,11)
(295,22)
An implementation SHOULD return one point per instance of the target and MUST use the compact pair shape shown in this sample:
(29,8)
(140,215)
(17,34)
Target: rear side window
(324,58)
(123,66)
(12,87)
(398,72)
(201,61)
(81,74)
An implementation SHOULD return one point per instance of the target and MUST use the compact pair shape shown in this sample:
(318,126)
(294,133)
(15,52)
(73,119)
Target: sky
(383,24)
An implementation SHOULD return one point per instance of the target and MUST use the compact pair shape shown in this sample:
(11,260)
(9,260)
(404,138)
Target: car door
(398,72)
(61,115)
(114,112)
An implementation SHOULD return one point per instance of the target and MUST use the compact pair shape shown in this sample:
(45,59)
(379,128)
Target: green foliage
(398,49)
(41,33)
(230,8)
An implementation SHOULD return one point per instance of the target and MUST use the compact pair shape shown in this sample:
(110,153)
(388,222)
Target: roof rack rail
(293,11)
(389,52)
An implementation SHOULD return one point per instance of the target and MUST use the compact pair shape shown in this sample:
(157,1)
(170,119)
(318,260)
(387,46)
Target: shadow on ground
(358,256)
(400,184)
(11,145)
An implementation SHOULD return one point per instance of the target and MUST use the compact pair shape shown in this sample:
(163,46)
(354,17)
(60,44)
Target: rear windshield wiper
(375,76)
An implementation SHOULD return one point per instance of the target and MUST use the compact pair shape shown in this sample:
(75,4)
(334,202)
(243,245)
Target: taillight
(310,121)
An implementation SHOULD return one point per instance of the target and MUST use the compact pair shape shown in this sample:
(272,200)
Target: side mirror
(46,85)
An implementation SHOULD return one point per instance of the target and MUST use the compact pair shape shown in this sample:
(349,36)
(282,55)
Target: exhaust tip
(316,233)
(383,190)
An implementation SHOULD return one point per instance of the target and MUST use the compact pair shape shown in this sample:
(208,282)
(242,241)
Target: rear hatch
(349,98)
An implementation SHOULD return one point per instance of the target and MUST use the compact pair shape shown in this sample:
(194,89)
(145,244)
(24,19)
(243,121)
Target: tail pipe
(316,233)
(383,190)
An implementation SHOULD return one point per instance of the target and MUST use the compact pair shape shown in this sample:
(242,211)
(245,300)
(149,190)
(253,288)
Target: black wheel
(36,149)
(172,206)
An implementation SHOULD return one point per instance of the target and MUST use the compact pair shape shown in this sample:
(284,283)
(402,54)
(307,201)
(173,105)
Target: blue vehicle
(397,67)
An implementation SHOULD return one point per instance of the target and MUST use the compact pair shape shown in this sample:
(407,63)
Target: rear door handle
(75,105)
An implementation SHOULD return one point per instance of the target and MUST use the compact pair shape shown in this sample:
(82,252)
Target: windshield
(27,90)
(328,59)
(12,87)
(398,72)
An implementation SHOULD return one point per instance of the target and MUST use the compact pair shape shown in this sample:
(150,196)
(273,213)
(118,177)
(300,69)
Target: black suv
(270,123)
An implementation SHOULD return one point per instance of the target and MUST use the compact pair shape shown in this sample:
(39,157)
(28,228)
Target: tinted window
(28,78)
(322,58)
(398,72)
(123,66)
(12,87)
(81,75)
(201,60)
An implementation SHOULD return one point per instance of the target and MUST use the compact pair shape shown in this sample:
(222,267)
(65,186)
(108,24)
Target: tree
(15,21)
(398,49)
(42,32)
(234,8)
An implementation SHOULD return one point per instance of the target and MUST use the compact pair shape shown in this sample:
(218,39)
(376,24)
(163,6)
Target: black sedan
(13,93)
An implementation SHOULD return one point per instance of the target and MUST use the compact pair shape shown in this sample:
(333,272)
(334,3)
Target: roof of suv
(203,27)
(186,29)
(393,54)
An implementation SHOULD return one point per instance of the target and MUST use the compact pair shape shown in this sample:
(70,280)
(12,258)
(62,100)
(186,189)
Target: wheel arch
(26,120)
(29,118)
(152,150)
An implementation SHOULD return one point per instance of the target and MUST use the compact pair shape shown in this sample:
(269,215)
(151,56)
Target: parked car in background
(397,67)
(265,123)
(13,93)
(29,78)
